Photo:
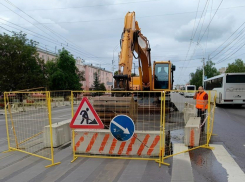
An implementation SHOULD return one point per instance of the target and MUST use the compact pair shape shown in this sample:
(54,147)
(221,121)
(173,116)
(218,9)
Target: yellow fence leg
(6,120)
(73,146)
(51,134)
(12,122)
(209,133)
(162,132)
(163,129)
(72,109)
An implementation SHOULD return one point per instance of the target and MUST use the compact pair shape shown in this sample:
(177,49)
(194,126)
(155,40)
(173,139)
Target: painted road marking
(233,170)
(181,170)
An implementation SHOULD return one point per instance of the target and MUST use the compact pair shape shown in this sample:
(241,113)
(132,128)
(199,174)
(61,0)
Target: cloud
(167,25)
(219,27)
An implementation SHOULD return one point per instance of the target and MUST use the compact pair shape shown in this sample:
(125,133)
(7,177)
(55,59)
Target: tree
(196,78)
(63,74)
(102,87)
(96,83)
(21,68)
(237,67)
(116,73)
(209,70)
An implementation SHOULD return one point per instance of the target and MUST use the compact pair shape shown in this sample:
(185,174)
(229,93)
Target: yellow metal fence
(144,108)
(160,118)
(183,123)
(28,123)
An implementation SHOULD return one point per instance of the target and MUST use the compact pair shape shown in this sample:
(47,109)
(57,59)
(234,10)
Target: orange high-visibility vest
(200,101)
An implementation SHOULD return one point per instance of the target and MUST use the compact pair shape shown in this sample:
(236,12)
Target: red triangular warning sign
(86,117)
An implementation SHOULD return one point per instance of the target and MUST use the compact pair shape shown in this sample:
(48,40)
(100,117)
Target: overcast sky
(92,29)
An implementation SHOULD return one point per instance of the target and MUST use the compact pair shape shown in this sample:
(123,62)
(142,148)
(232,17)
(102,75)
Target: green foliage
(236,67)
(63,74)
(21,68)
(96,83)
(102,87)
(196,78)
(209,70)
(98,86)
(116,73)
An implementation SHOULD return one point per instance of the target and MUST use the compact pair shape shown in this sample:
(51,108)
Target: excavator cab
(163,75)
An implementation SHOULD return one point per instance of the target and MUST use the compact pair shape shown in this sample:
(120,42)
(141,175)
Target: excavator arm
(133,40)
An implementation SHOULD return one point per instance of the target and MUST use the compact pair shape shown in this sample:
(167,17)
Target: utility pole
(203,72)
(113,70)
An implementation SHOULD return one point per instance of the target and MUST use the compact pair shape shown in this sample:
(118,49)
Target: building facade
(46,55)
(105,76)
(222,70)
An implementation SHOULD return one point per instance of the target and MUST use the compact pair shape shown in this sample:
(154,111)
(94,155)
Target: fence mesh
(60,98)
(184,123)
(28,123)
(144,108)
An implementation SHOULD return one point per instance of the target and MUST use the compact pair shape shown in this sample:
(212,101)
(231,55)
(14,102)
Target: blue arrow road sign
(122,127)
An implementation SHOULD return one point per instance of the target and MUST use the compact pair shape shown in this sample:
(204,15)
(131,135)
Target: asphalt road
(229,125)
(230,129)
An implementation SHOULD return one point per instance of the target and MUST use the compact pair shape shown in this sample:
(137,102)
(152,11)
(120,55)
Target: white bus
(230,88)
(190,90)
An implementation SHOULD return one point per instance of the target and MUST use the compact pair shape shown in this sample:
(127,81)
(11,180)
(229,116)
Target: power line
(210,21)
(208,29)
(53,42)
(227,40)
(241,46)
(193,35)
(203,20)
(91,6)
(233,57)
(199,40)
(138,17)
(44,27)
(6,29)
(233,41)
(68,48)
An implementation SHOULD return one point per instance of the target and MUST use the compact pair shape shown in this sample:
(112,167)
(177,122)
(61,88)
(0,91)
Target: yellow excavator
(132,40)
(160,79)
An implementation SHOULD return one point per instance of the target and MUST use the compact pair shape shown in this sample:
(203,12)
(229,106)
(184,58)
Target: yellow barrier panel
(146,110)
(28,123)
(185,124)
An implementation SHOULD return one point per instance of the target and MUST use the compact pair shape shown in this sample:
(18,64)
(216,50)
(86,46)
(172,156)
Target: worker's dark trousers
(201,114)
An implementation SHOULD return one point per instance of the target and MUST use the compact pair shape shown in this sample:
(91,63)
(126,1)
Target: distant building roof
(46,52)
(96,67)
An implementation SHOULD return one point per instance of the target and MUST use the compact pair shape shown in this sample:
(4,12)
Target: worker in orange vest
(201,104)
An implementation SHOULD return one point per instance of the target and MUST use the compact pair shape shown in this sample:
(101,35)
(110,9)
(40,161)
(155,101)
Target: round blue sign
(122,127)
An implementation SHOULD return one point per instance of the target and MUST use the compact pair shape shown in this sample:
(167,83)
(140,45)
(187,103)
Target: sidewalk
(2,112)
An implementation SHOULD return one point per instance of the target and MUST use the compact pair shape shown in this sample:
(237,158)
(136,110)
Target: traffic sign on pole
(122,127)
(86,117)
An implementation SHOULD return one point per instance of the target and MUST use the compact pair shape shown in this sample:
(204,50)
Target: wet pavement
(229,126)
(205,167)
